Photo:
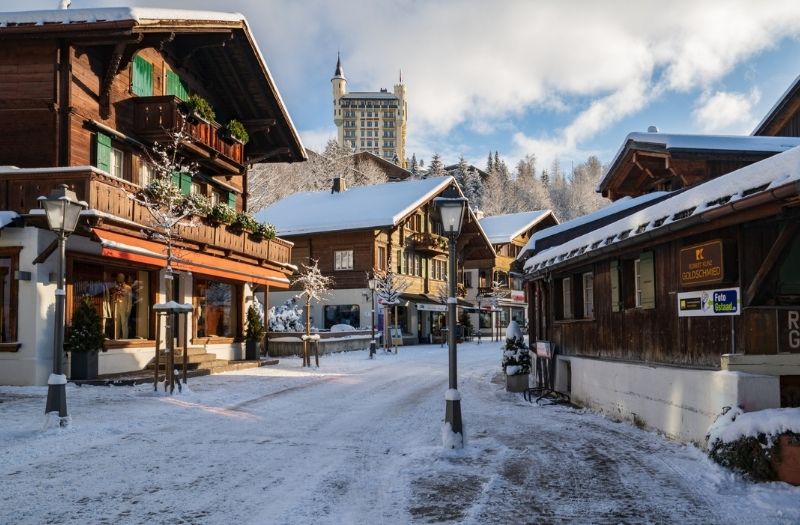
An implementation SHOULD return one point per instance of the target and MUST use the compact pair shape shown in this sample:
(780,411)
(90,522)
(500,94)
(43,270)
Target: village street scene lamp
(372,345)
(451,213)
(62,209)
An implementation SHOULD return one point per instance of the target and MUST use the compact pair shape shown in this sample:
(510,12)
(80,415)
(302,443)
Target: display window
(215,308)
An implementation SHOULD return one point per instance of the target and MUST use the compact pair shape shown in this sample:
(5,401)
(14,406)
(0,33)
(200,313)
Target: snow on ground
(356,441)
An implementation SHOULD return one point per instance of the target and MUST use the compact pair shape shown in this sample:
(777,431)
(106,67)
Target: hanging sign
(702,263)
(518,296)
(710,303)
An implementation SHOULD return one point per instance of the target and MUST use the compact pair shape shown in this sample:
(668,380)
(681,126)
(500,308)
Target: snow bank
(451,439)
(452,395)
(736,424)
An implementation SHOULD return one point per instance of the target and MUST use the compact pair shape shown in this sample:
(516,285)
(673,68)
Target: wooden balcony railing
(429,243)
(107,194)
(156,117)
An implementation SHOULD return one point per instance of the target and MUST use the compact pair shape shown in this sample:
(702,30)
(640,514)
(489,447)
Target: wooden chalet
(687,304)
(509,234)
(356,232)
(84,95)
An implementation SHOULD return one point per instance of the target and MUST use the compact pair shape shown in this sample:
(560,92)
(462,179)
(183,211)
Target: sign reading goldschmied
(710,303)
(702,263)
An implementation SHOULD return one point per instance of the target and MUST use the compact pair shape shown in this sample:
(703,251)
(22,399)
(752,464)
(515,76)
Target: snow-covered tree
(287,317)
(314,286)
(388,288)
(435,168)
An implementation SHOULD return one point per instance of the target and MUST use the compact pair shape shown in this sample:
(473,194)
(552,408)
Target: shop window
(566,298)
(588,295)
(484,320)
(141,77)
(349,314)
(121,297)
(8,299)
(342,260)
(215,308)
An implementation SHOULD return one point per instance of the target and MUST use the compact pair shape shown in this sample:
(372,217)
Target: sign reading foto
(710,303)
(702,263)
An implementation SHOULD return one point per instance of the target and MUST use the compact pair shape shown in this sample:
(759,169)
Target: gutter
(765,197)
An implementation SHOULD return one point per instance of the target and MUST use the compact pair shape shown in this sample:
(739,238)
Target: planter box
(83,365)
(251,350)
(787,466)
(517,382)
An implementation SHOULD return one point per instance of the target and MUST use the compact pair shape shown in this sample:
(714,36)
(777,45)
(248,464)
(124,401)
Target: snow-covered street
(357,441)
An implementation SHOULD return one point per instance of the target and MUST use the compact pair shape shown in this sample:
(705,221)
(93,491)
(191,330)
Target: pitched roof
(113,14)
(670,142)
(775,111)
(362,207)
(504,228)
(680,209)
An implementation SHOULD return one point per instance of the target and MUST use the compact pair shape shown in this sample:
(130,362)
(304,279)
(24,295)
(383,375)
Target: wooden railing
(107,194)
(429,243)
(156,117)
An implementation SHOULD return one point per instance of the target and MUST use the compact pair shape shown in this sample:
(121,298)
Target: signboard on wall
(518,296)
(702,263)
(789,331)
(425,307)
(710,303)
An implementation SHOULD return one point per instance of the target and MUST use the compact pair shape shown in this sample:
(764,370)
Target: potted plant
(263,231)
(254,333)
(235,130)
(516,361)
(197,107)
(84,340)
(221,214)
(244,222)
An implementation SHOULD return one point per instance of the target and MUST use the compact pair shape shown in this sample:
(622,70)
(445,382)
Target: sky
(561,80)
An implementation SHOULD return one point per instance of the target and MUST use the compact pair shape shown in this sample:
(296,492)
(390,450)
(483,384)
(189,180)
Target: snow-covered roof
(673,142)
(141,15)
(617,206)
(376,206)
(504,228)
(782,100)
(756,178)
(7,217)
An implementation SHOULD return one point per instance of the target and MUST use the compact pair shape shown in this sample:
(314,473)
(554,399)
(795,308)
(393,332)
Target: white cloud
(726,112)
(316,139)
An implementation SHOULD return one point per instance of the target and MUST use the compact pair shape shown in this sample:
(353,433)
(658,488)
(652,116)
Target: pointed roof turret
(339,71)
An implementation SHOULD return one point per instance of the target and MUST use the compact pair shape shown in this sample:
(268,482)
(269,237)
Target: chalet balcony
(155,117)
(429,244)
(107,194)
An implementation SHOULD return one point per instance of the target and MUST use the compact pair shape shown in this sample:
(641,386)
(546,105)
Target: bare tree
(389,288)
(314,287)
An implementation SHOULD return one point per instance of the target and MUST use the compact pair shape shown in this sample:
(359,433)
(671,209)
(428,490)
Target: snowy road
(357,441)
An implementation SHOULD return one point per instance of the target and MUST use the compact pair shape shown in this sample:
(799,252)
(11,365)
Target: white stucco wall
(680,402)
(360,296)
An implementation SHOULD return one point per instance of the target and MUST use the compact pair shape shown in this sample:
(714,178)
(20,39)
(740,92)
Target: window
(645,281)
(343,260)
(103,152)
(343,314)
(115,167)
(468,279)
(145,173)
(566,297)
(8,297)
(588,295)
(637,280)
(215,308)
(381,258)
(141,77)
(399,260)
(484,320)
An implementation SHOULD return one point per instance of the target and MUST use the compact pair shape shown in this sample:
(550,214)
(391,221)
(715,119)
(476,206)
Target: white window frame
(342,260)
(145,174)
(566,297)
(116,162)
(588,295)
(637,283)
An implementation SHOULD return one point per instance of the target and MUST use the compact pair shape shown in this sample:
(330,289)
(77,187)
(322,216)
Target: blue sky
(558,79)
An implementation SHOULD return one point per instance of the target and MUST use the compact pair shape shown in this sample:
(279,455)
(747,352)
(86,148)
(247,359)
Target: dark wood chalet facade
(84,95)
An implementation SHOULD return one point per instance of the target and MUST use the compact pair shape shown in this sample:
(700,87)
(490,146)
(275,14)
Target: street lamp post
(451,211)
(62,209)
(372,345)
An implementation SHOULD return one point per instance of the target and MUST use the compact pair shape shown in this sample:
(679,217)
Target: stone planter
(517,382)
(83,365)
(787,464)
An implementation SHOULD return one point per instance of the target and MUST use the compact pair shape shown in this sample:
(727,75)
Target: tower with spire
(373,121)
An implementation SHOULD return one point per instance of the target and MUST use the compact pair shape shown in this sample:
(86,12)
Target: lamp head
(62,209)
(450,209)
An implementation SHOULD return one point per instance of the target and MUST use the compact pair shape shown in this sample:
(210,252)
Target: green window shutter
(176,86)
(176,178)
(103,152)
(614,273)
(141,77)
(186,183)
(232,200)
(647,280)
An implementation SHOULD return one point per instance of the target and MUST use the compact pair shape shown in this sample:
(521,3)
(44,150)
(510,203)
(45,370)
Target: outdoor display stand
(172,313)
(545,350)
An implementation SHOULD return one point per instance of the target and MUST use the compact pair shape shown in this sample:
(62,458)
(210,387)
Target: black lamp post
(371,283)
(451,212)
(62,209)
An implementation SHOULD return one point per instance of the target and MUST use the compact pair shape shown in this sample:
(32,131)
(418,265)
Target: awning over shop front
(133,249)
(431,300)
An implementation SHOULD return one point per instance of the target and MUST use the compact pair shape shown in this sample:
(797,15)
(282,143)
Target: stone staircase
(200,362)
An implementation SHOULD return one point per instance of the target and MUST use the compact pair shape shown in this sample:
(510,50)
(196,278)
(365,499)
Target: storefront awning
(420,298)
(133,249)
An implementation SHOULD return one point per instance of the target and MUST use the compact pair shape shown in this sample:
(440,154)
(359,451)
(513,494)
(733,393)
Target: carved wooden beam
(111,72)
(254,125)
(784,237)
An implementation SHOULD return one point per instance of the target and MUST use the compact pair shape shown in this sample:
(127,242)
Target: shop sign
(702,263)
(789,331)
(425,307)
(518,296)
(710,303)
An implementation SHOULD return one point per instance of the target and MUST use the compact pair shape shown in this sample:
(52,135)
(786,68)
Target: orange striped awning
(134,249)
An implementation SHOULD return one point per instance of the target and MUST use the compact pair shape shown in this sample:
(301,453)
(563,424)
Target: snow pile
(451,439)
(342,328)
(287,317)
(452,395)
(736,424)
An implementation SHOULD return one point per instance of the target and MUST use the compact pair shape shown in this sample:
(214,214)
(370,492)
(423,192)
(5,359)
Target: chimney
(339,185)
